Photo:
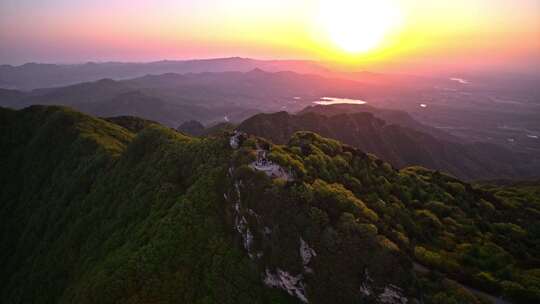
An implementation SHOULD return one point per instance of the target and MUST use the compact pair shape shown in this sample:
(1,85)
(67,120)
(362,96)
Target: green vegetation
(396,138)
(91,212)
(132,123)
(195,128)
(462,232)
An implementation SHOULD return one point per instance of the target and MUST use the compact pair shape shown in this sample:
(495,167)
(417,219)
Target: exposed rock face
(315,241)
(270,168)
(291,284)
(307,253)
(392,295)
(236,139)
(365,287)
(258,230)
(242,227)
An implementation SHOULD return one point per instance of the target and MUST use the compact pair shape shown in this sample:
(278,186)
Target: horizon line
(159,60)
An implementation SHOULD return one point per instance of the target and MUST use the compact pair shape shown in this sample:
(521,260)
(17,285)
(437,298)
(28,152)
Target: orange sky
(431,34)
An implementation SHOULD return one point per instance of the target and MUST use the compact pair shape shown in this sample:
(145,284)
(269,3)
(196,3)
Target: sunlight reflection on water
(325,101)
(460,80)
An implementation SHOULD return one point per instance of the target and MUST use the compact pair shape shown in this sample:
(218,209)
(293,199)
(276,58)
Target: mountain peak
(257,71)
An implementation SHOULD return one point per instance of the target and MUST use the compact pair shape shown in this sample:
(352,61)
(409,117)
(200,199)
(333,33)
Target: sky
(421,34)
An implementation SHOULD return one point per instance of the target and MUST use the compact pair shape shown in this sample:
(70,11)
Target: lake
(326,101)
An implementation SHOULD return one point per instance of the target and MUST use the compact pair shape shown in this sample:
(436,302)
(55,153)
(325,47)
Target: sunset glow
(484,33)
(270,151)
(358,26)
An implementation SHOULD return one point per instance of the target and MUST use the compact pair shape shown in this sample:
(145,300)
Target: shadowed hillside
(401,146)
(395,117)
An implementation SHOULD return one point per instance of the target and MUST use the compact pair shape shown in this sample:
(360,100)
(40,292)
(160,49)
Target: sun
(358,26)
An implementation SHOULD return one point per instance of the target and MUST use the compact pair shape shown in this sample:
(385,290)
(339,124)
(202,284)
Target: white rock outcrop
(392,295)
(365,290)
(293,285)
(270,168)
(307,253)
(234,141)
(365,287)
(242,227)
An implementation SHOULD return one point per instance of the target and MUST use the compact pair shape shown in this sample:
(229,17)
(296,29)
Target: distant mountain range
(36,75)
(231,97)
(399,141)
(173,98)
(489,107)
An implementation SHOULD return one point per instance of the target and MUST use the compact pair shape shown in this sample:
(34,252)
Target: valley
(269,187)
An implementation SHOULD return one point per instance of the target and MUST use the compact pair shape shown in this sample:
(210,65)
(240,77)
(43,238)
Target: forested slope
(398,144)
(93,213)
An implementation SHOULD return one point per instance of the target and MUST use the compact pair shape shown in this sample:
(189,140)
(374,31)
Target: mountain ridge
(98,214)
(399,145)
(212,97)
(39,75)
